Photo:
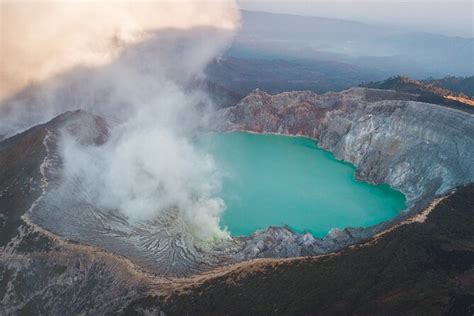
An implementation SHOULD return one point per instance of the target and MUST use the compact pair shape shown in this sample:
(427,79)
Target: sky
(449,17)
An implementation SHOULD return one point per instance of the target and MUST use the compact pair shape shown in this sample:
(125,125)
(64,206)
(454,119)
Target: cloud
(43,38)
(133,64)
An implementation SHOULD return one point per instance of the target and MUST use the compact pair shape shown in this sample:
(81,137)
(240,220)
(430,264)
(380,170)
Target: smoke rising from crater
(136,65)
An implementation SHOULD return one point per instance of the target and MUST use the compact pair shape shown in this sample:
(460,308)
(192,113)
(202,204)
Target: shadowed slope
(425,268)
(22,159)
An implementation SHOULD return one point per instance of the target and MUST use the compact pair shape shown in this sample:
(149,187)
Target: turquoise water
(280,180)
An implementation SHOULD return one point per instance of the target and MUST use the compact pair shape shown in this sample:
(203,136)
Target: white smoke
(131,63)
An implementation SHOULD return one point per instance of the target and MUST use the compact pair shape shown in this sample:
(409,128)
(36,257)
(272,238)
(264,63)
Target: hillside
(426,91)
(459,85)
(424,268)
(242,75)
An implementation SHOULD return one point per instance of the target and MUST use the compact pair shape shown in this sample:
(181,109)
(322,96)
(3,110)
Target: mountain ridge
(427,91)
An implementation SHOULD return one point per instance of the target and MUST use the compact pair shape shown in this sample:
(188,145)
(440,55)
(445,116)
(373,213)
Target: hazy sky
(449,17)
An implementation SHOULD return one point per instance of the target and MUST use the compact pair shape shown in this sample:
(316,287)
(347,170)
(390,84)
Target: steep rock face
(418,148)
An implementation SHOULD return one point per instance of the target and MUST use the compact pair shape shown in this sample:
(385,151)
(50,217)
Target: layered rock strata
(420,149)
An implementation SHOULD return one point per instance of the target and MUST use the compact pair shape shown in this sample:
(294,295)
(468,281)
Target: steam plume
(133,64)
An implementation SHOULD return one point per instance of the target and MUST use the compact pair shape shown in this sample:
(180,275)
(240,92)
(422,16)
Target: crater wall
(420,149)
(423,150)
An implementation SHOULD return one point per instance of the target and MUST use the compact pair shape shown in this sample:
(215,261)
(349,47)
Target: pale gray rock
(418,148)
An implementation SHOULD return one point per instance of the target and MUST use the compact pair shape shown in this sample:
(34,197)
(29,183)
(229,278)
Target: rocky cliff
(421,149)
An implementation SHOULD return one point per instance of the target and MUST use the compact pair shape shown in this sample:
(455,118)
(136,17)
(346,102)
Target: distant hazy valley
(278,52)
(373,47)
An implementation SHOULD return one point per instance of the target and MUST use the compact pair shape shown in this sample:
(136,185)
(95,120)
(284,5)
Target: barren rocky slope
(39,272)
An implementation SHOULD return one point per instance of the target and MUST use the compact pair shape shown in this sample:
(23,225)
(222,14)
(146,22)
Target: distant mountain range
(242,75)
(229,79)
(282,52)
(381,48)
